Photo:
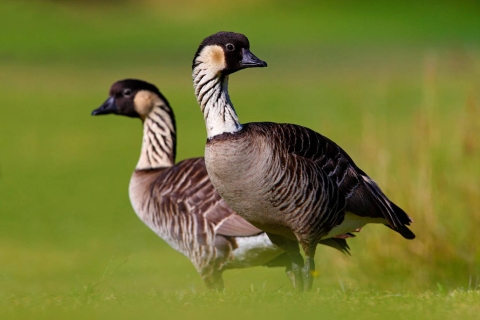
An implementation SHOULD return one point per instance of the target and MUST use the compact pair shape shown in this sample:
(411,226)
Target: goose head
(139,99)
(132,98)
(224,53)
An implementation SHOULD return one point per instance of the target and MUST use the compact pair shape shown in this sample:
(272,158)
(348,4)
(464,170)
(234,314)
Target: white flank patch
(351,223)
(253,251)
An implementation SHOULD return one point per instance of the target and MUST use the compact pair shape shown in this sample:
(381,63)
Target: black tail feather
(404,231)
(405,220)
(396,217)
(403,217)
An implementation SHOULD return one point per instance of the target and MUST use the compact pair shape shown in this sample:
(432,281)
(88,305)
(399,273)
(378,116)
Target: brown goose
(178,202)
(285,179)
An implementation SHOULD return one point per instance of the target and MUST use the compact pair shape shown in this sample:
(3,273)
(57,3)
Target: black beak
(249,60)
(107,107)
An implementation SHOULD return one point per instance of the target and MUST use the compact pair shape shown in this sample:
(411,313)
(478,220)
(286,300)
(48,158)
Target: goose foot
(308,272)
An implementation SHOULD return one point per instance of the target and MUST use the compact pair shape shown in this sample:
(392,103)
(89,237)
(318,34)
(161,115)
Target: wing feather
(363,196)
(190,189)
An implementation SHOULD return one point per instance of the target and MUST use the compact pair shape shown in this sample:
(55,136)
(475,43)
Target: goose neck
(211,91)
(159,139)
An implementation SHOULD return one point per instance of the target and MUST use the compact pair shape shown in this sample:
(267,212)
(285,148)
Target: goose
(290,181)
(178,202)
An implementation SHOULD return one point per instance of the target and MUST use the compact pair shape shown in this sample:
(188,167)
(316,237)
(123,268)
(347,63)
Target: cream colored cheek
(214,57)
(217,57)
(143,104)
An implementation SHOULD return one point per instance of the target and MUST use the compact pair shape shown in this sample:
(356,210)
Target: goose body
(285,179)
(295,183)
(178,201)
(181,206)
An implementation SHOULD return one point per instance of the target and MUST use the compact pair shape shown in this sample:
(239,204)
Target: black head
(125,99)
(226,52)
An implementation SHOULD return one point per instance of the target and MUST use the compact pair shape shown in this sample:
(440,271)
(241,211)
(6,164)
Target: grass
(396,86)
(255,302)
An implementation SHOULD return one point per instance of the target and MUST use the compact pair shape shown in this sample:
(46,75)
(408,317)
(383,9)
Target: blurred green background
(397,85)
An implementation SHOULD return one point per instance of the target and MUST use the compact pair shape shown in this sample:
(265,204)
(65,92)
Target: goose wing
(194,194)
(362,195)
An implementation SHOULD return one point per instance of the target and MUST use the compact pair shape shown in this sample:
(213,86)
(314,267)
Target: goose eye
(127,92)
(230,47)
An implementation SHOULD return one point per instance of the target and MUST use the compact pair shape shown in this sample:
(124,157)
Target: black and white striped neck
(211,90)
(159,139)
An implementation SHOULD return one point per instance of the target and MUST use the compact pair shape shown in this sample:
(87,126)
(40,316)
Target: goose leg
(308,270)
(295,271)
(295,259)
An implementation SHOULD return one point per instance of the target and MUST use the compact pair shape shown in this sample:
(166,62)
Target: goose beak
(107,107)
(249,60)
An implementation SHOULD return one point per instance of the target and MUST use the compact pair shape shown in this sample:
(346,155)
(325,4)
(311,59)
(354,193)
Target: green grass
(251,303)
(397,86)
